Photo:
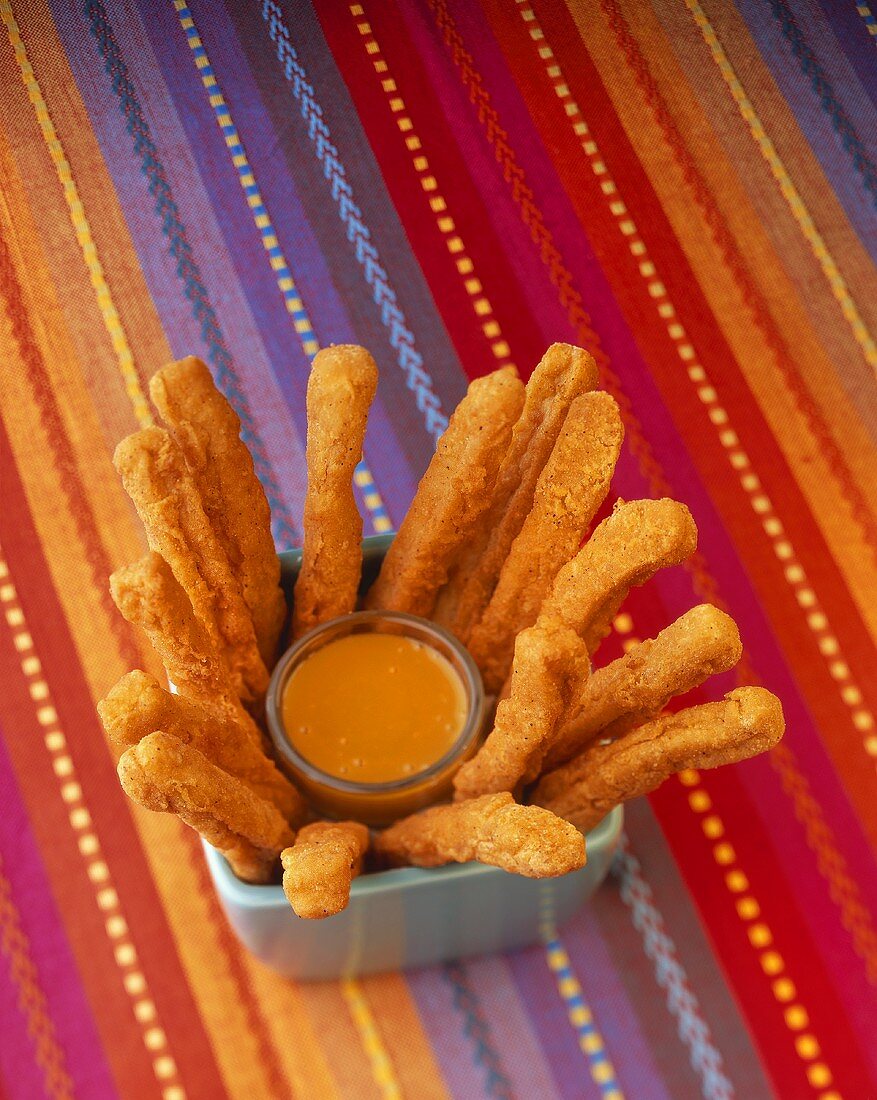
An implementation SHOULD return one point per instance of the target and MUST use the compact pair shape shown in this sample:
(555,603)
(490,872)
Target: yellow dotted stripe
(429,185)
(31,1000)
(748,910)
(381,1066)
(868,16)
(80,223)
(760,936)
(826,640)
(106,897)
(292,299)
(787,188)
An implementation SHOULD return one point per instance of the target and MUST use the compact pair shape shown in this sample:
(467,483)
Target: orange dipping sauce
(373,708)
(372,713)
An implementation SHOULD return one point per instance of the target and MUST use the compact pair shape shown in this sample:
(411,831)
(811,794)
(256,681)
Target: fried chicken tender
(571,487)
(207,430)
(749,721)
(149,596)
(561,376)
(625,550)
(166,775)
(138,706)
(320,867)
(636,687)
(547,658)
(494,829)
(164,493)
(341,388)
(452,497)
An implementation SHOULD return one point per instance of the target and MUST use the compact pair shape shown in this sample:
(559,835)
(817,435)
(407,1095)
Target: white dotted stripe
(107,899)
(826,640)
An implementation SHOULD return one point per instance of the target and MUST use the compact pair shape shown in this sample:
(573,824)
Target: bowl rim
(271,896)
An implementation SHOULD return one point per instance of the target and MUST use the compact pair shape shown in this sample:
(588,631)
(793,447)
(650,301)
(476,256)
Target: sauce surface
(373,708)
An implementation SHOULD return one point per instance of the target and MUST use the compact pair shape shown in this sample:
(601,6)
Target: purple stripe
(434,998)
(281,194)
(512,1031)
(851,34)
(626,1041)
(282,442)
(812,114)
(537,988)
(658,427)
(52,958)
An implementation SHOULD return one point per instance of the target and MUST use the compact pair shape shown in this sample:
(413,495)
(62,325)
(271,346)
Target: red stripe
(780,911)
(736,264)
(112,822)
(449,166)
(689,415)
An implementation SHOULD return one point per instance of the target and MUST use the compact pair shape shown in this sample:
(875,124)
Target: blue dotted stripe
(392,318)
(189,272)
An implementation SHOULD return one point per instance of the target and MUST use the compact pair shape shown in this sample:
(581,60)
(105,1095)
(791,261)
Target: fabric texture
(685,188)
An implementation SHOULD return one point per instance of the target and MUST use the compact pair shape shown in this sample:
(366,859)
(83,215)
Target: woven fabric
(685,188)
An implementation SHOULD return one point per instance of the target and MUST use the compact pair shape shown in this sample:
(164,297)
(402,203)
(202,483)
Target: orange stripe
(832,511)
(399,1023)
(331,1020)
(106,222)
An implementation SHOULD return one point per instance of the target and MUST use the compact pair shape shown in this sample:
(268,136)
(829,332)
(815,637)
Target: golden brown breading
(165,775)
(563,374)
(571,487)
(452,496)
(341,388)
(628,547)
(749,721)
(207,430)
(319,868)
(138,705)
(636,687)
(158,481)
(547,659)
(494,829)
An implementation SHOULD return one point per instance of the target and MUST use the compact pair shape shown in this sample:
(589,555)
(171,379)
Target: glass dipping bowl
(377,803)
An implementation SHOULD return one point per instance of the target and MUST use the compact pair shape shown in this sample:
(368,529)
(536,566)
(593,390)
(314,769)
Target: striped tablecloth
(688,190)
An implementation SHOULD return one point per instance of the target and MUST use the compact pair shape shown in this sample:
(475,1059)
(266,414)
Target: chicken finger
(208,432)
(341,387)
(452,497)
(570,489)
(628,547)
(749,721)
(158,481)
(320,867)
(635,688)
(494,829)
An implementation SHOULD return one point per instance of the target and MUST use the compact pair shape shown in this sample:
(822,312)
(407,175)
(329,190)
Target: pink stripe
(52,958)
(511,1028)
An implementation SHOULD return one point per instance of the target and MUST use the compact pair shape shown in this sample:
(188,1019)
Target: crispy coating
(563,373)
(208,432)
(749,721)
(628,547)
(547,659)
(452,498)
(494,829)
(138,705)
(166,775)
(164,493)
(341,388)
(571,487)
(319,868)
(149,596)
(635,688)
